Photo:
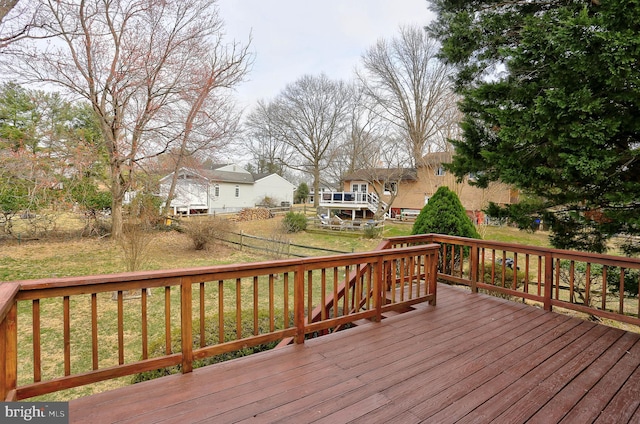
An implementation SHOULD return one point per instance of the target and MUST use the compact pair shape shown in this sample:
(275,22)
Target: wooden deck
(470,359)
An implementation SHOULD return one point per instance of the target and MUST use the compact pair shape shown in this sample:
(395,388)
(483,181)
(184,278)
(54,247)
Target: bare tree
(311,116)
(384,168)
(133,60)
(206,119)
(16,21)
(269,152)
(361,144)
(410,87)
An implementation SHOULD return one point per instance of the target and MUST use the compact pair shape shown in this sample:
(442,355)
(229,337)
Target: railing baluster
(557,279)
(621,292)
(203,336)
(239,309)
(345,306)
(94,330)
(298,298)
(255,305)
(309,296)
(587,294)
(526,272)
(221,338)
(604,288)
(514,285)
(402,278)
(335,292)
(493,266)
(323,296)
(144,326)
(572,276)
(167,320)
(120,327)
(37,355)
(66,335)
(286,299)
(272,315)
(369,284)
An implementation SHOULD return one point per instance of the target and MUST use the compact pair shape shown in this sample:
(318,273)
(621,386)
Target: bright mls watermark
(35,412)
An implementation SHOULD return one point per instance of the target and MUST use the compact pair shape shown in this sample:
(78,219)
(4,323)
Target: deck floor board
(472,358)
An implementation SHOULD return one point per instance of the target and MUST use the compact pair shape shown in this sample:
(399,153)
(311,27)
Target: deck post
(548,280)
(474,267)
(378,286)
(186,324)
(9,354)
(298,307)
(433,275)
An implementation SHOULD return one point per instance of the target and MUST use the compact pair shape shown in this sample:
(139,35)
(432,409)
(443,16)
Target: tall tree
(551,99)
(268,151)
(205,117)
(411,88)
(362,142)
(132,60)
(18,117)
(310,117)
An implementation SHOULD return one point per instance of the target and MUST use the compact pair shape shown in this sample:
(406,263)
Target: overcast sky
(292,38)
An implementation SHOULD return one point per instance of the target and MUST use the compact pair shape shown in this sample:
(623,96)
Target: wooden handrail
(474,263)
(213,284)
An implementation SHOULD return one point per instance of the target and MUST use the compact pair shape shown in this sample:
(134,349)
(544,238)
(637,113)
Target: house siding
(412,193)
(197,192)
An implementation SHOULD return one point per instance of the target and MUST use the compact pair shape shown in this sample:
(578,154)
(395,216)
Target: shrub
(205,231)
(371,231)
(294,222)
(157,347)
(444,214)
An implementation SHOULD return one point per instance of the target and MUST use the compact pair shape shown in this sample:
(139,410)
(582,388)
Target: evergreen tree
(444,214)
(551,103)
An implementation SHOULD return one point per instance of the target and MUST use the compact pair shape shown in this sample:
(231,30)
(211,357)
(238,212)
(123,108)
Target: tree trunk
(316,186)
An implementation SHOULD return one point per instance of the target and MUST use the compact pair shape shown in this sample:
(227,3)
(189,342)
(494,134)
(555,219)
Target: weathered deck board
(471,358)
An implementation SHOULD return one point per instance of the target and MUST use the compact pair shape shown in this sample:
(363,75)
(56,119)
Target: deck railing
(599,285)
(134,322)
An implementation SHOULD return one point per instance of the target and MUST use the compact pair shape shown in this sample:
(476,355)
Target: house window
(426,199)
(390,187)
(354,187)
(363,188)
(216,190)
(440,172)
(237,191)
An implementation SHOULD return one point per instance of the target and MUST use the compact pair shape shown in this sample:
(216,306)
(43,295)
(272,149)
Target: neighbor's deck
(471,358)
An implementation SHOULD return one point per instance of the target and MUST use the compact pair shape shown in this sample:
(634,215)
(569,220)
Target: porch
(472,358)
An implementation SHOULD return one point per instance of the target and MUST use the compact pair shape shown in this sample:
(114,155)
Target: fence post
(298,299)
(548,280)
(241,239)
(186,324)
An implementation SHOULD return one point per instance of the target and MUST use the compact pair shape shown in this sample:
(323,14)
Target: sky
(292,38)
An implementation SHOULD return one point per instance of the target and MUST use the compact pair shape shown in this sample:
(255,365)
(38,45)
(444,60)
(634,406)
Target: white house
(224,188)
